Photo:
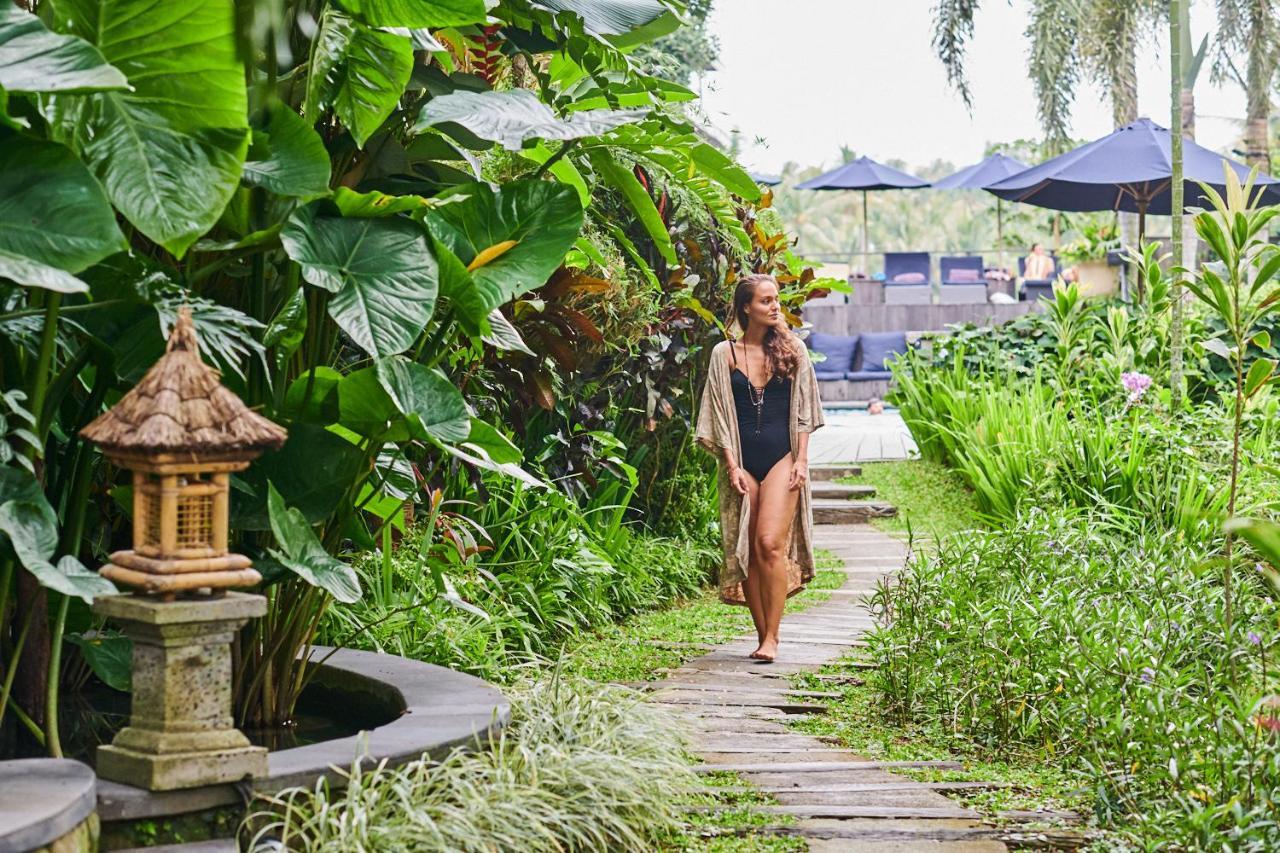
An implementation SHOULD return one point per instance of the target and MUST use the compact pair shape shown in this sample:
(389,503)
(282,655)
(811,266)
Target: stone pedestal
(180,732)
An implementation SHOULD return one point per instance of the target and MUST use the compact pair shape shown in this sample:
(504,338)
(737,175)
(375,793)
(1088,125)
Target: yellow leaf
(490,254)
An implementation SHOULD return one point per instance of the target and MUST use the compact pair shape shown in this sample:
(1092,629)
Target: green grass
(858,722)
(931,498)
(710,832)
(634,650)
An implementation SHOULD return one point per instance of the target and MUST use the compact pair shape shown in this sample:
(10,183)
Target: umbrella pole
(866,255)
(1142,233)
(1000,231)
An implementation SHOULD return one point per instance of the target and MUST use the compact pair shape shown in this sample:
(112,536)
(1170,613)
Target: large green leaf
(638,199)
(110,656)
(288,157)
(52,212)
(304,555)
(32,59)
(169,152)
(380,271)
(430,403)
(512,117)
(398,399)
(366,409)
(29,273)
(512,239)
(358,71)
(610,17)
(417,13)
(32,531)
(314,471)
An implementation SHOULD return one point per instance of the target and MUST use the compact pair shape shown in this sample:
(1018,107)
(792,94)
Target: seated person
(1038,266)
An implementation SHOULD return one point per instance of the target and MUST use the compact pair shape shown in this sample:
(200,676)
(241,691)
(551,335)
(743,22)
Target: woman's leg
(750,586)
(776,508)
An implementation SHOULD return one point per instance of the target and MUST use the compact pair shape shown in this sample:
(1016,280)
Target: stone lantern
(182,434)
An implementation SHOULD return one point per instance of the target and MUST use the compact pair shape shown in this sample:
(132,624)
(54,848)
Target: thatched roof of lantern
(180,406)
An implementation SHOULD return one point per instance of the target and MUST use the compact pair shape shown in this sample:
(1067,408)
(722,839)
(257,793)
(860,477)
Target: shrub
(581,767)
(1101,649)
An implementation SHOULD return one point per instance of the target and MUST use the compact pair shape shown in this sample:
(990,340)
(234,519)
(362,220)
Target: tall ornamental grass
(581,767)
(1102,651)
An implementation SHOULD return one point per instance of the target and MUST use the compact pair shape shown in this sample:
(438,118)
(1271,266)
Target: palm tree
(1249,30)
(1071,40)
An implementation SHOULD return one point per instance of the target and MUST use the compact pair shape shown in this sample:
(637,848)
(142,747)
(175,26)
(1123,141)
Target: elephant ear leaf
(288,157)
(33,59)
(381,273)
(512,118)
(55,219)
(359,71)
(301,552)
(508,241)
(32,532)
(170,150)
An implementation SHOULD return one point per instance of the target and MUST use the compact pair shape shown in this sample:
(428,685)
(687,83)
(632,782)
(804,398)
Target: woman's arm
(800,465)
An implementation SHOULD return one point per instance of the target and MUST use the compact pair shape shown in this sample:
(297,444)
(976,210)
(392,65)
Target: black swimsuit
(764,432)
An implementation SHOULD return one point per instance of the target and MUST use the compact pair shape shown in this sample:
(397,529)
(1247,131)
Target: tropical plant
(581,766)
(362,204)
(1240,290)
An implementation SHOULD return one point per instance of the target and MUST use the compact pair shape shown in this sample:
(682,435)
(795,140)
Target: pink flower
(1136,384)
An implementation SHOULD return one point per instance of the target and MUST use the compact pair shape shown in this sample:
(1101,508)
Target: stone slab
(153,611)
(42,799)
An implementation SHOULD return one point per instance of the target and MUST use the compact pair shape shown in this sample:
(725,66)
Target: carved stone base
(180,769)
(180,732)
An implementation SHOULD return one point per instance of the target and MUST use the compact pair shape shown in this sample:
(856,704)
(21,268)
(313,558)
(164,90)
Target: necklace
(754,394)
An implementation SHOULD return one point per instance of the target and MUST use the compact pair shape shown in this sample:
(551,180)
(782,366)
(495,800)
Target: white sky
(805,76)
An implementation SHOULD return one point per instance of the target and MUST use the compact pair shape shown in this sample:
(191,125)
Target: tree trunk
(1261,68)
(1124,110)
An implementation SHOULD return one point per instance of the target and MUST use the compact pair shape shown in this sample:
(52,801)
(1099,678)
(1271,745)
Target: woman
(1038,266)
(758,407)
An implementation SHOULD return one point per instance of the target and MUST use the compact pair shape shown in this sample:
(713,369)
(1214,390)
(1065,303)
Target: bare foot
(767,652)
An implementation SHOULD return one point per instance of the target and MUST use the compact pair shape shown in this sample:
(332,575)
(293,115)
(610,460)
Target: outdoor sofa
(906,278)
(856,366)
(963,281)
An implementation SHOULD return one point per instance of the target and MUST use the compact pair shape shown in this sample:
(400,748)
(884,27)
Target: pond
(94,714)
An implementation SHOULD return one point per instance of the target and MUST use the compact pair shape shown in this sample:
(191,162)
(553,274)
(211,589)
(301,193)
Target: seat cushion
(868,375)
(909,278)
(838,349)
(828,375)
(878,346)
(963,275)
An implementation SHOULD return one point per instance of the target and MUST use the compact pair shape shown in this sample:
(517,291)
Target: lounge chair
(906,278)
(1037,288)
(962,280)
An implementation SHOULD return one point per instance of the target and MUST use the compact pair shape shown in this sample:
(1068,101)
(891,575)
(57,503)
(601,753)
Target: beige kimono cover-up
(717,429)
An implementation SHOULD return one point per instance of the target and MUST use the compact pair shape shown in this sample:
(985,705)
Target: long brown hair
(780,350)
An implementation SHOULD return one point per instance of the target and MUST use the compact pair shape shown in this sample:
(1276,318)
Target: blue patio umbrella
(866,175)
(1129,169)
(979,176)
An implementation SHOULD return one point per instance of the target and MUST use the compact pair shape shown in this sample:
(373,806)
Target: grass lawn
(931,498)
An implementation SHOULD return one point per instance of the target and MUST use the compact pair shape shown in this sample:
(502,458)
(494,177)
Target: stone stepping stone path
(736,711)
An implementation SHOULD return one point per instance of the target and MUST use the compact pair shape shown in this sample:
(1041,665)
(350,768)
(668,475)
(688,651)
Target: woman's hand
(799,474)
(738,477)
